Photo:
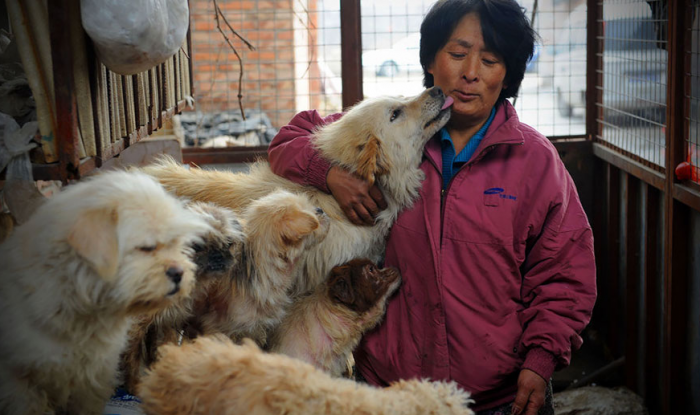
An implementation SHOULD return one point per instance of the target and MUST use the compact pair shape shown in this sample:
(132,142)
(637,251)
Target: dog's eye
(371,268)
(395,115)
(147,248)
(196,247)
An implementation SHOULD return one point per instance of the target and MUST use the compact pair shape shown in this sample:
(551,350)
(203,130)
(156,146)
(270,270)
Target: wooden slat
(632,275)
(653,280)
(130,101)
(121,106)
(614,263)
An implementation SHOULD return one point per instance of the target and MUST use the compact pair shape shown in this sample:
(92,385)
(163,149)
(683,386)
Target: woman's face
(472,75)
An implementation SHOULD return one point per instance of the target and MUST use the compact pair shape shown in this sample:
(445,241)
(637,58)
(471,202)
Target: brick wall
(284,33)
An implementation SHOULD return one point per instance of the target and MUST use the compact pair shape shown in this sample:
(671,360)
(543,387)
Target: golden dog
(278,229)
(380,139)
(325,327)
(216,257)
(214,376)
(90,258)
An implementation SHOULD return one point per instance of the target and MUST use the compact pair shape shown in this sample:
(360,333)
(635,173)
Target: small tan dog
(278,228)
(325,327)
(91,257)
(381,139)
(216,257)
(214,376)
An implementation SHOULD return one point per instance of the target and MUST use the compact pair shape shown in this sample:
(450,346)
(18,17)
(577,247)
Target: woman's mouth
(465,96)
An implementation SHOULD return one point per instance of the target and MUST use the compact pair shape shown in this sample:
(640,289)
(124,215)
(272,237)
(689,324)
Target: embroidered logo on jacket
(498,191)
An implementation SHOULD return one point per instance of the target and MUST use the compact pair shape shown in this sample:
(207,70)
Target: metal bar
(351,51)
(672,367)
(630,166)
(66,132)
(593,65)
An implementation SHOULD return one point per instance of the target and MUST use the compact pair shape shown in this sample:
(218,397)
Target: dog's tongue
(447,103)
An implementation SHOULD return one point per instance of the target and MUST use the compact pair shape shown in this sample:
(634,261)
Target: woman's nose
(470,70)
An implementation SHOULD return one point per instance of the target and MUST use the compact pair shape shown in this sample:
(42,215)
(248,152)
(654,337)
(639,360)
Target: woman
(497,253)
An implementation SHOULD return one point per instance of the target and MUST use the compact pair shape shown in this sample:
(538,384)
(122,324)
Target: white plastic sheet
(132,36)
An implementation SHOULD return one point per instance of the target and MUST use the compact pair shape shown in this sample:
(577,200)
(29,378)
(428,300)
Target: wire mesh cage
(633,48)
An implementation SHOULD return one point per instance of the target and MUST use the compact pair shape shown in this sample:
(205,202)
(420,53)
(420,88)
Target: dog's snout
(436,92)
(319,211)
(175,273)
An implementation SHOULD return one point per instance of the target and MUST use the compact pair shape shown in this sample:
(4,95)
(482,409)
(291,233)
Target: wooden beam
(66,131)
(630,166)
(594,63)
(674,321)
(351,51)
(223,155)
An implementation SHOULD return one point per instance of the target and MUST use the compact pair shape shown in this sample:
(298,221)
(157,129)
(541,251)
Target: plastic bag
(132,36)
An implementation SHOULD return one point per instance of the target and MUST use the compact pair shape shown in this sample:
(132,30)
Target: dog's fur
(216,257)
(278,227)
(89,259)
(214,376)
(365,141)
(324,327)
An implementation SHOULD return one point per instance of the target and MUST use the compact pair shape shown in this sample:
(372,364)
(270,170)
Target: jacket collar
(504,129)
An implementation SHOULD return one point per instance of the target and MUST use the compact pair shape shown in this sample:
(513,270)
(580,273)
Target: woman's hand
(530,396)
(359,201)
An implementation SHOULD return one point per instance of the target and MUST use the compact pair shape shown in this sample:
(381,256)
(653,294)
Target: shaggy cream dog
(380,139)
(279,228)
(325,327)
(214,376)
(216,257)
(94,255)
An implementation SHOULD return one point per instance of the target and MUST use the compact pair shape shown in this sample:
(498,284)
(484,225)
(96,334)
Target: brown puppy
(279,227)
(216,255)
(324,327)
(215,376)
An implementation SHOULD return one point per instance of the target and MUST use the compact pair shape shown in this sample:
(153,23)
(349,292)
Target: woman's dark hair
(504,26)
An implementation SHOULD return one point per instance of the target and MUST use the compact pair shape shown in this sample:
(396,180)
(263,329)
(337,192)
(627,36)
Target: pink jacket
(498,277)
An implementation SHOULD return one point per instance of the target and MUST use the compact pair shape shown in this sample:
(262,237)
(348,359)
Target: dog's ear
(296,225)
(94,238)
(371,161)
(341,289)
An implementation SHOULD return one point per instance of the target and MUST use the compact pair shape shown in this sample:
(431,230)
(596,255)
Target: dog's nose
(175,273)
(436,92)
(319,211)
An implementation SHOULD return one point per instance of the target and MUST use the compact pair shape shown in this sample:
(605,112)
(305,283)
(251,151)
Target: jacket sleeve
(559,282)
(292,155)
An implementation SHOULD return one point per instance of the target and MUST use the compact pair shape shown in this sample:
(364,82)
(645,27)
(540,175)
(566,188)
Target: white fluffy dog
(94,255)
(381,139)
